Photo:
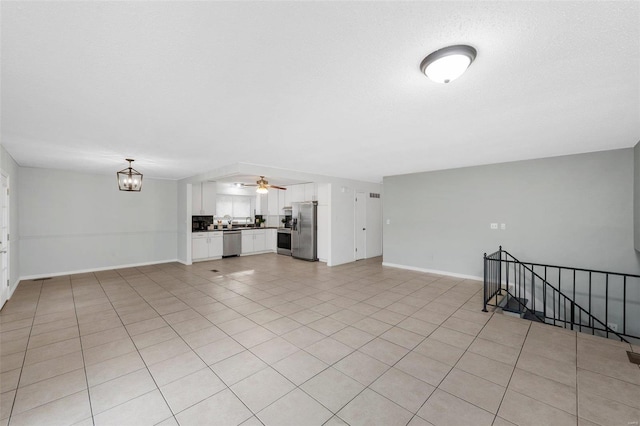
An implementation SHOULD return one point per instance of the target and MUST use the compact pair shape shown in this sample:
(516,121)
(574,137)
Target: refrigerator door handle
(299,221)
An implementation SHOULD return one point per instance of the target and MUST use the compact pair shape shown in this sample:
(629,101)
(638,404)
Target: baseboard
(433,271)
(106,268)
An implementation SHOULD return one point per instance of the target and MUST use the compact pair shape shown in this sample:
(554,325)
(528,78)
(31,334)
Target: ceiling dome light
(447,64)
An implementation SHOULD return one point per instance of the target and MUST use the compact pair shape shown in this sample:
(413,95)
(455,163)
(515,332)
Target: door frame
(5,281)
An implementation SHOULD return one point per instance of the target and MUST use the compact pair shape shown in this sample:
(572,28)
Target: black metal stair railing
(579,299)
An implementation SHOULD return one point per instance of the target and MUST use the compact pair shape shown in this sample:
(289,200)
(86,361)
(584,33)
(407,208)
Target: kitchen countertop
(238,229)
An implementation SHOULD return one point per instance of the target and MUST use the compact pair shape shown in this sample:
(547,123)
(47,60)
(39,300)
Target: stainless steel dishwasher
(231,243)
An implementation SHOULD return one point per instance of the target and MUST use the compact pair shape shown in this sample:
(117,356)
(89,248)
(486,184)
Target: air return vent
(374,195)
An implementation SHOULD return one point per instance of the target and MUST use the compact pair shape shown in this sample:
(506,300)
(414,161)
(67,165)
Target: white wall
(184,207)
(574,210)
(374,226)
(342,220)
(73,222)
(342,224)
(636,194)
(10,167)
(323,221)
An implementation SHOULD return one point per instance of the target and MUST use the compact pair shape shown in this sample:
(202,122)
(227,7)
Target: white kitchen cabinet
(287,196)
(297,193)
(254,241)
(262,203)
(196,199)
(247,242)
(310,192)
(199,247)
(203,199)
(209,198)
(206,245)
(215,245)
(272,202)
(281,201)
(272,240)
(260,241)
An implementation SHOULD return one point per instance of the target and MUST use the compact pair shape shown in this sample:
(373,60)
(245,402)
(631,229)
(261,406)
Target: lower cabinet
(272,240)
(254,241)
(206,245)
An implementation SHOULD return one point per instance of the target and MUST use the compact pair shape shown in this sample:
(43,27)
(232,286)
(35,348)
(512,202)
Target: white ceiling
(331,88)
(252,179)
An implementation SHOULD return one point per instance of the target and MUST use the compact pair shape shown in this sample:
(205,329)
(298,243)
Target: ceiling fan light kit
(263,186)
(129,179)
(447,64)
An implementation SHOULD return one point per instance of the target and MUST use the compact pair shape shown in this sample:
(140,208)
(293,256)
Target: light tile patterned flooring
(277,341)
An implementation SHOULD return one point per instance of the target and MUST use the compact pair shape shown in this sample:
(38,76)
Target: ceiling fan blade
(277,187)
(249,184)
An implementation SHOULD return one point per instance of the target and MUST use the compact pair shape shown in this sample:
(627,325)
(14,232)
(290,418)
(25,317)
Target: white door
(361,226)
(4,241)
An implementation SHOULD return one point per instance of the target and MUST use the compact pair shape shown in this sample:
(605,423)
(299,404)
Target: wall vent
(374,195)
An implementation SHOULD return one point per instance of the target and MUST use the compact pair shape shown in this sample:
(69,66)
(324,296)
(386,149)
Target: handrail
(493,286)
(595,271)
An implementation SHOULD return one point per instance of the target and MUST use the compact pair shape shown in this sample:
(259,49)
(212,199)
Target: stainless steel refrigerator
(304,230)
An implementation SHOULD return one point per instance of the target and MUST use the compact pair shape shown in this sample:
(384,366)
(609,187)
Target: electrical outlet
(494,226)
(612,326)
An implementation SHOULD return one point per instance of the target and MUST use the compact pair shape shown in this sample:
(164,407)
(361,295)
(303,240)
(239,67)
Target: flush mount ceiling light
(447,64)
(129,179)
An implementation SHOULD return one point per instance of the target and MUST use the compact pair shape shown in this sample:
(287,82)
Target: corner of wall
(636,195)
(11,168)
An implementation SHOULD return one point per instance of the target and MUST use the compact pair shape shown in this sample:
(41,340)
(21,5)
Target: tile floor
(276,341)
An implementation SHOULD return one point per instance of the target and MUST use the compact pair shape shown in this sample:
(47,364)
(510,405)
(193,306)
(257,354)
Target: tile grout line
(15,397)
(333,414)
(506,388)
(454,366)
(179,335)
(393,366)
(84,365)
(146,366)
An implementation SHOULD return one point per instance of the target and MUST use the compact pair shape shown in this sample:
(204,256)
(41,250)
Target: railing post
(500,270)
(573,313)
(484,297)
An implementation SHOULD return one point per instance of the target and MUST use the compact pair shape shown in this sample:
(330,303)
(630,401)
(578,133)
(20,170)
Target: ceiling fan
(263,186)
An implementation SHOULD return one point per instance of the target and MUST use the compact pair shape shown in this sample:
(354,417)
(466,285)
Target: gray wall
(636,195)
(73,222)
(573,210)
(10,167)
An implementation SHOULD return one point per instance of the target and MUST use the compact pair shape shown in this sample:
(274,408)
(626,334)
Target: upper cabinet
(287,196)
(204,199)
(297,193)
(272,202)
(310,193)
(301,192)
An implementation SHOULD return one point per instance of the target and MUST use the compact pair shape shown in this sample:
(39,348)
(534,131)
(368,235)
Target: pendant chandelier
(129,179)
